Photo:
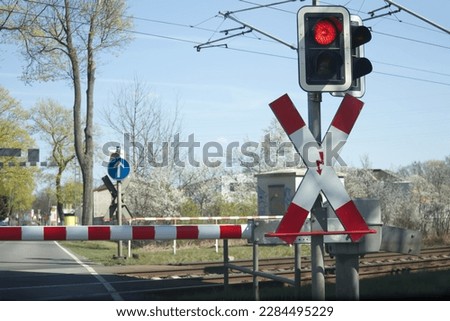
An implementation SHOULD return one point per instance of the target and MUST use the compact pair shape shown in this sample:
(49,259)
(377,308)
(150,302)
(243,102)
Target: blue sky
(224,93)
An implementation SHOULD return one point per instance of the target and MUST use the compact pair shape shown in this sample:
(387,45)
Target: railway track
(372,265)
(167,282)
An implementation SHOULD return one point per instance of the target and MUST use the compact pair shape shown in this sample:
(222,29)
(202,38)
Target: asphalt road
(46,271)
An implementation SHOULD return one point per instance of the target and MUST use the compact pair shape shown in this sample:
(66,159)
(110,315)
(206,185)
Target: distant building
(390,178)
(102,201)
(275,189)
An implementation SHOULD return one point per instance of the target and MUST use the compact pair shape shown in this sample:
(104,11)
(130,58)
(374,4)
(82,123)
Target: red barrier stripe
(143,232)
(230,232)
(351,219)
(287,114)
(347,114)
(8,233)
(292,221)
(99,233)
(55,233)
(187,232)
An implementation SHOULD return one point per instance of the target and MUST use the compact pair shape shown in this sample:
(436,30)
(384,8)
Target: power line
(268,7)
(178,39)
(410,39)
(412,68)
(376,72)
(426,20)
(412,78)
(176,24)
(189,26)
(161,36)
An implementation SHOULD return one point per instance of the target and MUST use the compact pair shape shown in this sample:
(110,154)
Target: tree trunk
(88,195)
(59,204)
(82,148)
(88,168)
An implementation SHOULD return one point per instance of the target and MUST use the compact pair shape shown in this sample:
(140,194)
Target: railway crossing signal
(361,35)
(325,63)
(330,50)
(320,175)
(361,66)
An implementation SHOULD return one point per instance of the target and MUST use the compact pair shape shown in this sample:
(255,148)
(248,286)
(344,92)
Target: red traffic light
(324,48)
(327,30)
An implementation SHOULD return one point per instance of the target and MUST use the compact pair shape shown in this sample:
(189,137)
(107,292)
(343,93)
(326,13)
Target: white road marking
(114,294)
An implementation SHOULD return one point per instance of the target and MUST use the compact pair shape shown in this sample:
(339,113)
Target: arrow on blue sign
(118,168)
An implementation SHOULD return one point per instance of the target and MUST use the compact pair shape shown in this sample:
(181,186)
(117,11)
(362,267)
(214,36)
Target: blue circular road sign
(118,168)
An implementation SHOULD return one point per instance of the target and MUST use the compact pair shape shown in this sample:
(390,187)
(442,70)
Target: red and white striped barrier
(125,232)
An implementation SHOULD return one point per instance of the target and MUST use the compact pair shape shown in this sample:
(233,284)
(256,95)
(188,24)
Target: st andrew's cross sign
(320,175)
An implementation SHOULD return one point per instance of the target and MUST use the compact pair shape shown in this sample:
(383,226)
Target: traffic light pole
(317,250)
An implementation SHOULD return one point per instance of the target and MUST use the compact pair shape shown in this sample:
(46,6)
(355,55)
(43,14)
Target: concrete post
(347,277)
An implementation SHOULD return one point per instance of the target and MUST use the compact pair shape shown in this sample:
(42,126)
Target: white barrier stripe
(32,233)
(76,233)
(246,231)
(209,232)
(165,232)
(123,232)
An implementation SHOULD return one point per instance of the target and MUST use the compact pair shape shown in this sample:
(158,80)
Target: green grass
(103,252)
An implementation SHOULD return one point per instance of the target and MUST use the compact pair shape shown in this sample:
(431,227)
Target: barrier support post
(255,270)
(119,217)
(297,269)
(225,265)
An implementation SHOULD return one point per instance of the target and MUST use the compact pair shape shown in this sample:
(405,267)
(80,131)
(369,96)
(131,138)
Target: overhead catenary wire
(196,43)
(410,39)
(426,20)
(197,26)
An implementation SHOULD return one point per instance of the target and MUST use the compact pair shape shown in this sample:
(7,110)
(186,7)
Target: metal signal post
(317,248)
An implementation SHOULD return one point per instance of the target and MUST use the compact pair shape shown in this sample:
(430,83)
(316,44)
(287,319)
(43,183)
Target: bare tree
(148,132)
(63,39)
(7,9)
(274,152)
(147,127)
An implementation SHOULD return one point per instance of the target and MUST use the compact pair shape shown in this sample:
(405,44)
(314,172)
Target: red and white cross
(320,175)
